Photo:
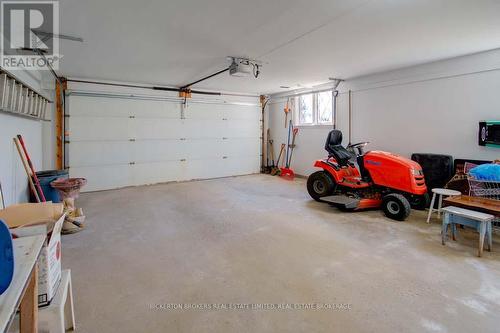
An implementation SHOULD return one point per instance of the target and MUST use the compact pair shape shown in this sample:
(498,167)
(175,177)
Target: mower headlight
(417,172)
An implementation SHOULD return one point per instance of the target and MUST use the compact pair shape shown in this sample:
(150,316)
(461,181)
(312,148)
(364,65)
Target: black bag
(438,169)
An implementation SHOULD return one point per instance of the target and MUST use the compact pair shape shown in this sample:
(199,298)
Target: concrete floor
(261,240)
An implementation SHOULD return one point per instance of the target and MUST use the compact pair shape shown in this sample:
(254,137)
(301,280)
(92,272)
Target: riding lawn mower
(386,180)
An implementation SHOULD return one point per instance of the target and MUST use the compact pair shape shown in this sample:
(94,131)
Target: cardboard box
(31,213)
(49,262)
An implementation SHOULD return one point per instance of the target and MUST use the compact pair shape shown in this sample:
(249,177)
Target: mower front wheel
(396,206)
(420,202)
(319,184)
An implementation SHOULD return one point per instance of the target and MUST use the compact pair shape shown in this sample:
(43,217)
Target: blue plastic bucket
(6,257)
(45,177)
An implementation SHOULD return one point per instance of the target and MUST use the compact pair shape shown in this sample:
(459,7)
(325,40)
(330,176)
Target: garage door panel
(103,177)
(158,150)
(157,128)
(88,106)
(206,168)
(241,129)
(204,148)
(92,153)
(157,172)
(203,111)
(243,165)
(98,129)
(215,140)
(241,147)
(97,107)
(199,128)
(242,112)
(158,109)
(214,168)
(217,148)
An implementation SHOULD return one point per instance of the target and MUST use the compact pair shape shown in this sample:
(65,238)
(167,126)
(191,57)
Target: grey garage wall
(431,108)
(38,136)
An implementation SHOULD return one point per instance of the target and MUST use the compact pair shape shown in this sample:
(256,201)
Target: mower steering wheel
(359,144)
(357,148)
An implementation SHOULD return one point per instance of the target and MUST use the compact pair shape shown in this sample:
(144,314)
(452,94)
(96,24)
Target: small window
(325,107)
(314,109)
(306,109)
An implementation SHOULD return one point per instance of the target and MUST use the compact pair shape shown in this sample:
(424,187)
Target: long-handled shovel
(269,153)
(271,150)
(295,132)
(28,170)
(2,202)
(286,110)
(288,143)
(32,168)
(276,169)
(287,172)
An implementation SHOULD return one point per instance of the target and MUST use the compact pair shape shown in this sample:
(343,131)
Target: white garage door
(117,142)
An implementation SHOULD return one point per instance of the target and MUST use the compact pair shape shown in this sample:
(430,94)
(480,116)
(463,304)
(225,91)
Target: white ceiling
(302,42)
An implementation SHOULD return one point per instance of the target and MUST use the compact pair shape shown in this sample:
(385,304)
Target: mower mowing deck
(342,201)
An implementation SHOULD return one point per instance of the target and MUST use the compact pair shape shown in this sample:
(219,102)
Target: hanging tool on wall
(287,110)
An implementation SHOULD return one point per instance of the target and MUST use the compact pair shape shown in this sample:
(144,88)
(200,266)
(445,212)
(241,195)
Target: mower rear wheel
(320,184)
(396,206)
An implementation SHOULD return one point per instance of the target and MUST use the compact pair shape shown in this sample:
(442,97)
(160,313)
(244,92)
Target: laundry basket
(484,188)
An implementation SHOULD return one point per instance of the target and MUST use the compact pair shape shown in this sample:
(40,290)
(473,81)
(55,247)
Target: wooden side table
(440,192)
(23,291)
(480,204)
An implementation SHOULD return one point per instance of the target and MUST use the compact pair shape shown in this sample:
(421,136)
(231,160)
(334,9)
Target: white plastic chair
(59,315)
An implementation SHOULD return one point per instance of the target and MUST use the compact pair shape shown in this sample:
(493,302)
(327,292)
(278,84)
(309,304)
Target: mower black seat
(335,149)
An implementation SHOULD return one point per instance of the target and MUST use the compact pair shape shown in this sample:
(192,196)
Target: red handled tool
(32,168)
(287,172)
(287,111)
